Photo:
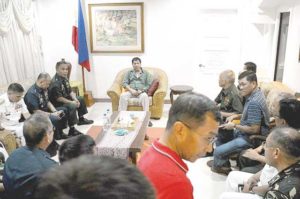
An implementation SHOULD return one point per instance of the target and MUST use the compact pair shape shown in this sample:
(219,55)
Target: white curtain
(20,49)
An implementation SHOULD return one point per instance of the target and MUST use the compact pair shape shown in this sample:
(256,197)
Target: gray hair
(35,128)
(44,76)
(229,75)
(287,139)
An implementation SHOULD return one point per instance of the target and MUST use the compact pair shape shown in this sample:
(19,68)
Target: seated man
(282,151)
(254,120)
(137,83)
(25,164)
(14,110)
(94,177)
(37,99)
(62,95)
(75,147)
(288,111)
(253,160)
(191,128)
(229,101)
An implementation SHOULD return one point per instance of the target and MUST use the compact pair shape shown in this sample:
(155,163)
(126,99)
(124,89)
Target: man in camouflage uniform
(229,101)
(282,151)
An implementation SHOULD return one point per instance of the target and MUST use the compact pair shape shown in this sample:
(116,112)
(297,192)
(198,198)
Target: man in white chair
(137,82)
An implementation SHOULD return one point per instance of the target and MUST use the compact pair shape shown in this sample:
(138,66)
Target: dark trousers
(71,111)
(248,165)
(61,123)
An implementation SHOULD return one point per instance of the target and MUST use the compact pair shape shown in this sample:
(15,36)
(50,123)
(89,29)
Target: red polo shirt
(167,172)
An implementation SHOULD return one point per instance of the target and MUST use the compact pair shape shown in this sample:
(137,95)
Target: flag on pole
(79,40)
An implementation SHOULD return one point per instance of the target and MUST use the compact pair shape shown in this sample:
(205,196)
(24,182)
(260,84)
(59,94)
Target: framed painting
(116,27)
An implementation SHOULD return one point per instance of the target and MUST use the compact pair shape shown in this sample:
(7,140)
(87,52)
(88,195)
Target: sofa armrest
(161,92)
(114,93)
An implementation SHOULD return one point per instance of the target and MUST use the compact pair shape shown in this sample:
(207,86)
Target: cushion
(153,87)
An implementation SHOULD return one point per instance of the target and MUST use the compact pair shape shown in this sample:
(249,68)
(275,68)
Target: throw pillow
(153,87)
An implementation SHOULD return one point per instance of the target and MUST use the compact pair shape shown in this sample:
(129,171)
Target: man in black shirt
(37,99)
(62,95)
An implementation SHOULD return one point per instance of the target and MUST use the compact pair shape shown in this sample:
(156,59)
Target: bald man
(229,101)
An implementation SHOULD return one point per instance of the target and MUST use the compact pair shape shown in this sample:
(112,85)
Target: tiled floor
(207,185)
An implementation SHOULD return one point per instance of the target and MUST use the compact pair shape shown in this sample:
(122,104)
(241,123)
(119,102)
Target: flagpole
(81,47)
(83,79)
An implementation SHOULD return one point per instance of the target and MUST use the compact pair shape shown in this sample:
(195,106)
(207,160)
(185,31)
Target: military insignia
(46,95)
(226,101)
(41,99)
(63,88)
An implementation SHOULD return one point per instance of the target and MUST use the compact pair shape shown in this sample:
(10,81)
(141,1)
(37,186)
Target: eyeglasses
(211,140)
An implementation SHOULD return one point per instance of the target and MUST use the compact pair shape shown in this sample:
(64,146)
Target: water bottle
(105,122)
(108,122)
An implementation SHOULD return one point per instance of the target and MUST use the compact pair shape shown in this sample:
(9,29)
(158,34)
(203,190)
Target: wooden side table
(179,89)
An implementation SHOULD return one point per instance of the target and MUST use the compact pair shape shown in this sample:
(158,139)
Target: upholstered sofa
(156,102)
(271,91)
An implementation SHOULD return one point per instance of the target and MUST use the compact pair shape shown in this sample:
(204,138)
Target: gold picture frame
(116,27)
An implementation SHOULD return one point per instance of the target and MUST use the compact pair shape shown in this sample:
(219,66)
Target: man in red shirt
(190,132)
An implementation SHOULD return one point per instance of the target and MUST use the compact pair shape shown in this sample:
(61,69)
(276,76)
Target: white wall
(171,28)
(56,18)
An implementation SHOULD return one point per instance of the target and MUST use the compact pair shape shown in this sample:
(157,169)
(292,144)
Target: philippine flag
(79,40)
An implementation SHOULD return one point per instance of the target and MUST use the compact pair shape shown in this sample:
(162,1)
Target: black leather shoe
(84,121)
(52,148)
(59,135)
(210,163)
(221,170)
(74,132)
